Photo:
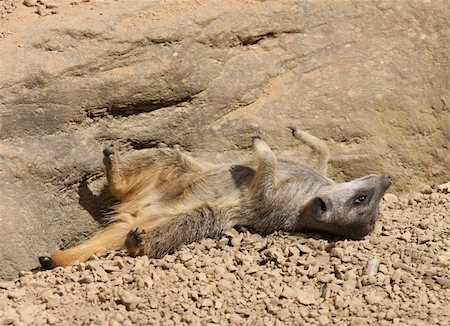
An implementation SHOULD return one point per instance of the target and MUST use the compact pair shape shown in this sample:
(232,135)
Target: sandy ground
(397,275)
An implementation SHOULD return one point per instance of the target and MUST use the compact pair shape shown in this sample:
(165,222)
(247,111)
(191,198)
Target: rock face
(371,78)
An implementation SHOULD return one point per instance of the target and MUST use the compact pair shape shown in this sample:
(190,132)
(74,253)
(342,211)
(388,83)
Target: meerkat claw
(46,262)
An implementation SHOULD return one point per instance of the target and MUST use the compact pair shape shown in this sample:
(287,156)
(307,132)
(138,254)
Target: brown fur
(168,199)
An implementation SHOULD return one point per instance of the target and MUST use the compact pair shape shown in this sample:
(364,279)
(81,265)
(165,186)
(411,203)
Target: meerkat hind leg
(317,145)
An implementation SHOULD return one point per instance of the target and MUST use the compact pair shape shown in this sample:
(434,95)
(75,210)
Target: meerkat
(168,199)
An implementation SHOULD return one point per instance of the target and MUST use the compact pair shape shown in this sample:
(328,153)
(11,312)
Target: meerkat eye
(359,199)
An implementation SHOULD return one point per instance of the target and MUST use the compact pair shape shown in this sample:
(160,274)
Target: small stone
(41,10)
(28,312)
(51,4)
(289,292)
(304,249)
(339,303)
(207,303)
(153,303)
(30,3)
(390,314)
(86,279)
(337,252)
(372,267)
(6,285)
(306,295)
(224,285)
(445,187)
(323,320)
(129,299)
(350,281)
(373,299)
(443,281)
(52,320)
(358,321)
(391,200)
(185,257)
(426,190)
(235,319)
(283,314)
(425,223)
(16,293)
(202,277)
(322,259)
(294,251)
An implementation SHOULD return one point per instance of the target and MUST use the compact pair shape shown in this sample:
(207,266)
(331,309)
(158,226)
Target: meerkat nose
(388,180)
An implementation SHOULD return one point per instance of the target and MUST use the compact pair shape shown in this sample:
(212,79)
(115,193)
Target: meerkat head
(349,209)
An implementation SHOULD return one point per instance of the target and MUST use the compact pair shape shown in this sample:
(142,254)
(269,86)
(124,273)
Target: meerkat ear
(320,208)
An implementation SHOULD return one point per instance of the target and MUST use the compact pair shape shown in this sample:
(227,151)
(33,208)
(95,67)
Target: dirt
(397,275)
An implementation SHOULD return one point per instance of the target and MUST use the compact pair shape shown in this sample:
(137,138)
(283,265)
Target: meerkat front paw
(135,241)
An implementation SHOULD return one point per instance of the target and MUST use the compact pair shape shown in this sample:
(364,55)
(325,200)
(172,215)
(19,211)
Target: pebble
(426,190)
(28,312)
(30,3)
(357,321)
(374,299)
(337,252)
(372,267)
(289,292)
(129,299)
(283,314)
(391,200)
(443,281)
(306,295)
(304,249)
(390,314)
(323,320)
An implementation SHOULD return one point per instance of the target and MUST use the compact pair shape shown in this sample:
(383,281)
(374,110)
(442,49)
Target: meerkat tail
(111,238)
(317,145)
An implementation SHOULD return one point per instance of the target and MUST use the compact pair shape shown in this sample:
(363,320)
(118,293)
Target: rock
(443,281)
(337,252)
(224,285)
(426,190)
(322,259)
(304,249)
(283,314)
(294,251)
(371,268)
(373,299)
(289,292)
(390,314)
(30,3)
(391,200)
(323,320)
(235,319)
(350,281)
(445,187)
(129,299)
(357,321)
(28,312)
(306,295)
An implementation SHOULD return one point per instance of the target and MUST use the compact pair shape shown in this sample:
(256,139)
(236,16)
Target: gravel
(397,275)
